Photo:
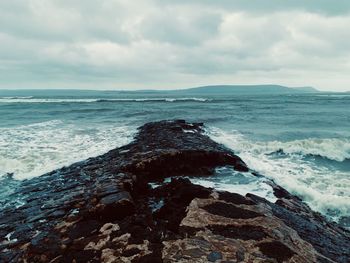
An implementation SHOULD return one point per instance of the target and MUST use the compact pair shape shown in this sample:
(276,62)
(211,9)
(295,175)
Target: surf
(322,188)
(97,100)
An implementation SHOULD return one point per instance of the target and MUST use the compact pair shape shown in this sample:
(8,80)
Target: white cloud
(164,44)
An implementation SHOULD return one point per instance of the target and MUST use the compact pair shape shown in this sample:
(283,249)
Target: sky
(160,44)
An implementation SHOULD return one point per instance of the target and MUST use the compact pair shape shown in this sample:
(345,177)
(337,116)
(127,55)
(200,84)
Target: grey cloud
(328,7)
(119,43)
(181,27)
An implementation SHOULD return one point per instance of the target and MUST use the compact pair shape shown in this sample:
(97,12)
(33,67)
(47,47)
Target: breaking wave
(90,100)
(332,149)
(326,190)
(31,150)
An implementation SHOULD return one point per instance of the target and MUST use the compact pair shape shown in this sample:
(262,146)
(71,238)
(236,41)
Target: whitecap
(92,100)
(31,150)
(325,190)
(227,179)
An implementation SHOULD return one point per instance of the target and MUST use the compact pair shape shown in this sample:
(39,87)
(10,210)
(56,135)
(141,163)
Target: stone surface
(104,210)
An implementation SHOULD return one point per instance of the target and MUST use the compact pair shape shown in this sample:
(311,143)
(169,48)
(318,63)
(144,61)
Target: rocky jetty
(107,209)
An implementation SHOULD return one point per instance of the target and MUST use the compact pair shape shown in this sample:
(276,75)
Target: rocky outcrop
(106,209)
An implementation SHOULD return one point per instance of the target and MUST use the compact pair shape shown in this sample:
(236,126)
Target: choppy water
(300,141)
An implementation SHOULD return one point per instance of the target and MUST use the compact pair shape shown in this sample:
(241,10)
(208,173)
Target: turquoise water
(302,141)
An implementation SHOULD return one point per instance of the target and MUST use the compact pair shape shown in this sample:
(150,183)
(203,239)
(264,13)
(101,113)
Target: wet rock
(176,196)
(276,250)
(235,198)
(242,235)
(230,211)
(214,256)
(84,229)
(115,206)
(244,232)
(104,210)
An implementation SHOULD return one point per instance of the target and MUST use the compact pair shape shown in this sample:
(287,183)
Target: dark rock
(276,250)
(115,206)
(327,238)
(84,229)
(177,195)
(244,232)
(103,210)
(230,211)
(214,256)
(130,252)
(235,199)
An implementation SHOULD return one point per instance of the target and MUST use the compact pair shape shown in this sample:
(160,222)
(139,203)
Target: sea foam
(227,179)
(90,100)
(325,190)
(31,150)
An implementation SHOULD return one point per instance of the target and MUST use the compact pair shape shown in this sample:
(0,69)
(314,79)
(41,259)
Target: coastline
(104,210)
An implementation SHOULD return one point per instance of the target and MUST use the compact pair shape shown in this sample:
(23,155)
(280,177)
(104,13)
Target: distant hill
(306,89)
(205,90)
(248,89)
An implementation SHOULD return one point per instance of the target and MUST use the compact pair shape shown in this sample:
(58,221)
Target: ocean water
(301,141)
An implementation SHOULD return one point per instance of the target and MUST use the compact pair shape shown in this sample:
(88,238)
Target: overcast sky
(124,44)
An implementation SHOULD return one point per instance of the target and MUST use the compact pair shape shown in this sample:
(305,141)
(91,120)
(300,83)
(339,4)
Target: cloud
(167,44)
(327,7)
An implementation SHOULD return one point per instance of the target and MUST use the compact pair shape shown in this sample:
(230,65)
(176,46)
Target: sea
(299,140)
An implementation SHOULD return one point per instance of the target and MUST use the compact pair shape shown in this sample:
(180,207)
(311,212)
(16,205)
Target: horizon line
(172,89)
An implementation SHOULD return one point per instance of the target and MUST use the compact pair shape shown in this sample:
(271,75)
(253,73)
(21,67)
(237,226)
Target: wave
(31,150)
(334,95)
(334,149)
(227,179)
(36,100)
(71,100)
(16,97)
(154,100)
(324,189)
(315,157)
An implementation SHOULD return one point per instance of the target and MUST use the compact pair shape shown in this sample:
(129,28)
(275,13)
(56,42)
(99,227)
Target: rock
(247,237)
(176,197)
(115,206)
(214,256)
(276,250)
(104,210)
